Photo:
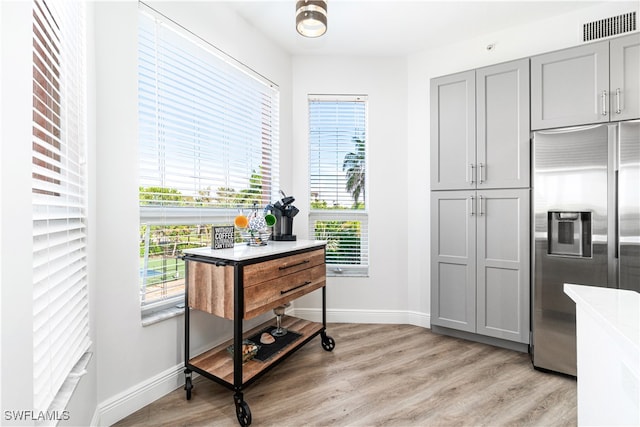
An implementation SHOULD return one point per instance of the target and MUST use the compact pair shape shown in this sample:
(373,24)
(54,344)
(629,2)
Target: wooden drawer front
(211,288)
(279,267)
(272,293)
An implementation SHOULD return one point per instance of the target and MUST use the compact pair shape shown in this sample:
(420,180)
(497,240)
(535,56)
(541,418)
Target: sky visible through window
(335,128)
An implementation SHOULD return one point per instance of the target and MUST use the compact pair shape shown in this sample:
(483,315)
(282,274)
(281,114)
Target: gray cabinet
(453,260)
(502,116)
(480,128)
(480,262)
(480,163)
(574,86)
(502,264)
(624,56)
(569,87)
(453,131)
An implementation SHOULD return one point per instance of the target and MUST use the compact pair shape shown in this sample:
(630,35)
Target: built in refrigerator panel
(629,205)
(570,199)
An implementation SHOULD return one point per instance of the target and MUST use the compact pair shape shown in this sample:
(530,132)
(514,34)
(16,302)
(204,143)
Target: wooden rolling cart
(241,283)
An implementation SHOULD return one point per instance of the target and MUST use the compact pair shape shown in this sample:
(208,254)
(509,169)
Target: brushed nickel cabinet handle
(472,203)
(604,102)
(481,166)
(472,173)
(618,109)
(480,212)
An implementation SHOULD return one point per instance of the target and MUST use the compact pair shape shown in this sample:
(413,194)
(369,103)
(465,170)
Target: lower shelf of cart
(219,363)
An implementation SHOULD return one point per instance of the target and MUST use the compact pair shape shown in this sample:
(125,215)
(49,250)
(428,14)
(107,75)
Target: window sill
(160,315)
(337,270)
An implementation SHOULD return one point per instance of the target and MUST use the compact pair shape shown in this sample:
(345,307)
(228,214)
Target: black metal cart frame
(243,412)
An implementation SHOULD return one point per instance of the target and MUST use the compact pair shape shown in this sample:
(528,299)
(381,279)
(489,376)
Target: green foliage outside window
(343,240)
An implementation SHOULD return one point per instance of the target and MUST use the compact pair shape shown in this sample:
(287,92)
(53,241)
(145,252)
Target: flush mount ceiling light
(311,17)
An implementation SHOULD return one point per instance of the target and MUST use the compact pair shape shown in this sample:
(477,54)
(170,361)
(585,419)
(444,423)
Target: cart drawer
(266,284)
(272,293)
(280,267)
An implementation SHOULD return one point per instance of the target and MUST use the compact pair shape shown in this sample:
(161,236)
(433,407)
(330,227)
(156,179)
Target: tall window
(208,147)
(338,185)
(61,318)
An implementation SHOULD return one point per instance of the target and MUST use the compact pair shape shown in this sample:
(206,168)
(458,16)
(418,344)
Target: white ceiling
(400,27)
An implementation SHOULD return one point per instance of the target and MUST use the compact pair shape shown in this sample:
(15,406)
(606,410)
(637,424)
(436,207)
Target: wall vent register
(608,27)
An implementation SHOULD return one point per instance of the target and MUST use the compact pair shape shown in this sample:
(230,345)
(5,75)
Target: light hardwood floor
(382,375)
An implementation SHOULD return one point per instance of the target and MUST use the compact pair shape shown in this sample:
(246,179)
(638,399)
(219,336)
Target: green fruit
(270,219)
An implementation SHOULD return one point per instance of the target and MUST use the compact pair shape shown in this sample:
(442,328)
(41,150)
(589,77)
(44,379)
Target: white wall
(382,297)
(137,364)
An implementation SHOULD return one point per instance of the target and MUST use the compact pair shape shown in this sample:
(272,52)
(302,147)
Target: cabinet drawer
(254,274)
(272,293)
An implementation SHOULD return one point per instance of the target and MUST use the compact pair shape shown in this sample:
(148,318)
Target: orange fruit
(241,221)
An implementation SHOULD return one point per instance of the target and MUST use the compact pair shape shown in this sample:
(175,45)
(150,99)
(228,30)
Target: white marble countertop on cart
(244,252)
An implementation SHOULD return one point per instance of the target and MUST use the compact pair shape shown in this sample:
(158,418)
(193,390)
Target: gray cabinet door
(453,131)
(624,55)
(502,141)
(570,87)
(453,259)
(503,261)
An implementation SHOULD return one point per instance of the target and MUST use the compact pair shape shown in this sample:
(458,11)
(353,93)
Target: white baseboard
(138,396)
(397,317)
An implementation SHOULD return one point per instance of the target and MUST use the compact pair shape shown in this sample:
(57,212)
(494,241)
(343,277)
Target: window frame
(347,215)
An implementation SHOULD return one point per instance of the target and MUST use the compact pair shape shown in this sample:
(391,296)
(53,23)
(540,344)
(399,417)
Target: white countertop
(608,356)
(617,309)
(243,252)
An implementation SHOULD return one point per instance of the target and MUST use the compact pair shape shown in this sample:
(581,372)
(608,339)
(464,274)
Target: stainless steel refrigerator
(586,208)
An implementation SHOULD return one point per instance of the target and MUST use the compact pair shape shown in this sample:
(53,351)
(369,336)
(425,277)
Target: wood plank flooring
(382,375)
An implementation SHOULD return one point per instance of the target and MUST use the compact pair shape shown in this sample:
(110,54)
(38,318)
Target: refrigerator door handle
(616,226)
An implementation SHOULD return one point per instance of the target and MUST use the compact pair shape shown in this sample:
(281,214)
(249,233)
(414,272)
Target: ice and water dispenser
(569,233)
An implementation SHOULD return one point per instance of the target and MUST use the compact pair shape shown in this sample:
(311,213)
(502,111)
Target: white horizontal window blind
(337,181)
(208,144)
(61,309)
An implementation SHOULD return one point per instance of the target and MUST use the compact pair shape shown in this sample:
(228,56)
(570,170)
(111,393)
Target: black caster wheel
(243,413)
(188,386)
(328,343)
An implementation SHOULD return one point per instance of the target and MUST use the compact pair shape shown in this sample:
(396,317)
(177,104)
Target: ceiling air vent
(608,27)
